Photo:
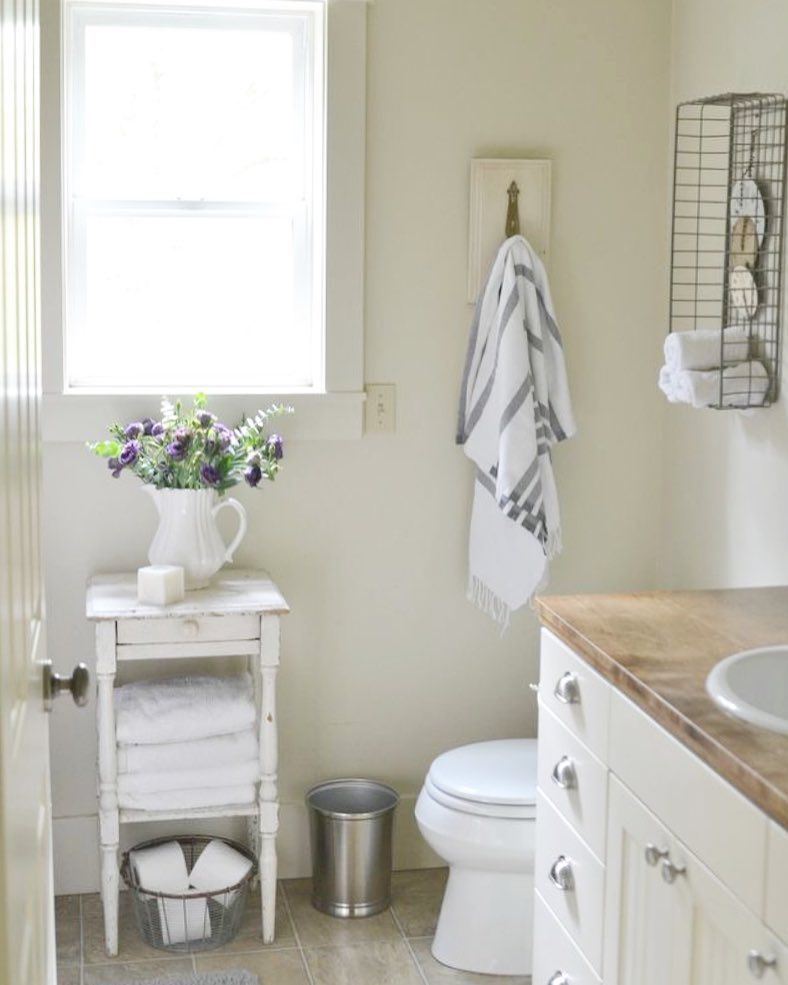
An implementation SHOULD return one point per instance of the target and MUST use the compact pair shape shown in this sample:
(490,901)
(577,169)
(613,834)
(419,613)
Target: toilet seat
(492,779)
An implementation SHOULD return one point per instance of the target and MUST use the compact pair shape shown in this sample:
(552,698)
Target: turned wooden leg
(109,825)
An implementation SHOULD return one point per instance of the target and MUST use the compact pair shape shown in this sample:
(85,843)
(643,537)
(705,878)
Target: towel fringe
(485,599)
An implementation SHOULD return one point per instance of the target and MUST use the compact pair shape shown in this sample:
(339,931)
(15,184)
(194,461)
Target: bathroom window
(193,211)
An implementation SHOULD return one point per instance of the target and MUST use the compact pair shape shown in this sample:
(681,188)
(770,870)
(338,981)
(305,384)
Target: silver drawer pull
(559,978)
(654,854)
(560,874)
(757,964)
(564,775)
(566,689)
(670,871)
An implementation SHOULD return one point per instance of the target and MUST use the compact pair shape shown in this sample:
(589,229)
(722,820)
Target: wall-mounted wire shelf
(727,237)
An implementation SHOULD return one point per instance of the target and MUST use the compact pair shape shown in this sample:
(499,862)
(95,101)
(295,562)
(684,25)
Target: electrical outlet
(381,407)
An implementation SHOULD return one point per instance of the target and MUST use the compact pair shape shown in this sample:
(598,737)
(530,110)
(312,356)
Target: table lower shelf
(126,815)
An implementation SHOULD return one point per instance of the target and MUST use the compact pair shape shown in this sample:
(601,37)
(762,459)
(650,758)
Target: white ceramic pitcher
(188,535)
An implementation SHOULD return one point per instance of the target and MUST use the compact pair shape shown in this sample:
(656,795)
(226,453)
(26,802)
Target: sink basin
(753,686)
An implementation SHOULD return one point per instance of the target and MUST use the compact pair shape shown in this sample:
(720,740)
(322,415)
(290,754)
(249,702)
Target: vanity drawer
(776,909)
(555,953)
(562,856)
(576,695)
(188,629)
(573,779)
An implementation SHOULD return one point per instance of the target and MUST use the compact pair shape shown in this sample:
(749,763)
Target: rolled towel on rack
(183,708)
(176,800)
(217,750)
(213,776)
(743,385)
(707,348)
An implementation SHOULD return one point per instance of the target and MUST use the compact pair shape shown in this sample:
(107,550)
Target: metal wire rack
(192,921)
(727,236)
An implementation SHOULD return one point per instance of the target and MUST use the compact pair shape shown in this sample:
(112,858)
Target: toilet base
(486,922)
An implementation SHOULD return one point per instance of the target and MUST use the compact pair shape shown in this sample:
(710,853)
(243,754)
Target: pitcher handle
(233,547)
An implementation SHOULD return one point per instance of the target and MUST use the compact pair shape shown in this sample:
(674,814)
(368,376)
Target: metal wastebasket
(351,823)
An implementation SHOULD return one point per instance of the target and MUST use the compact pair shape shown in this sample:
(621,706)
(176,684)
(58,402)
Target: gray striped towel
(514,406)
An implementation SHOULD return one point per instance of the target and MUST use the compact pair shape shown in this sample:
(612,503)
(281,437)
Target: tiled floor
(392,948)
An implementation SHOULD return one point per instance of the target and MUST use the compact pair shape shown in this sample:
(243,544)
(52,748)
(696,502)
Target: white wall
(725,483)
(385,664)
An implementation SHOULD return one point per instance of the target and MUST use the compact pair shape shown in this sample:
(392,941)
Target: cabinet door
(646,921)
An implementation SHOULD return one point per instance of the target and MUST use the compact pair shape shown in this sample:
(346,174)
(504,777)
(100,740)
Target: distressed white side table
(237,615)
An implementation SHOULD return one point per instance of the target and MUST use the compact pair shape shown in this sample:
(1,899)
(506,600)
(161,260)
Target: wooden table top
(658,648)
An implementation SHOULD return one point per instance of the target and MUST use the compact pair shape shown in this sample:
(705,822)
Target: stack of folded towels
(186,743)
(692,373)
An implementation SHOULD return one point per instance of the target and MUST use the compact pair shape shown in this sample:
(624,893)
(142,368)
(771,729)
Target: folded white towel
(161,868)
(218,750)
(174,800)
(183,708)
(704,348)
(184,920)
(744,385)
(209,778)
(218,867)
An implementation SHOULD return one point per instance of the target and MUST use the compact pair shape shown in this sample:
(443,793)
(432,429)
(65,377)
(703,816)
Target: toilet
(477,811)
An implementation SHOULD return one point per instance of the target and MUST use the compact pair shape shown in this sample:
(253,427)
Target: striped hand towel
(514,406)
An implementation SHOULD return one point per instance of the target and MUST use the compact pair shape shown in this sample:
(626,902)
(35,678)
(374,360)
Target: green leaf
(106,449)
(200,400)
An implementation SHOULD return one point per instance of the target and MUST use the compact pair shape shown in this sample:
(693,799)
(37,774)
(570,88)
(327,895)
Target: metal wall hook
(513,211)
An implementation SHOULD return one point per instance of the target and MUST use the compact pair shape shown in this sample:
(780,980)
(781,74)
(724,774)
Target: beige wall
(725,480)
(385,664)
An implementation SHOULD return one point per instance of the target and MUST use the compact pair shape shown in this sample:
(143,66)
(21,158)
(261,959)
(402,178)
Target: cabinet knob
(566,689)
(559,978)
(670,871)
(654,854)
(758,963)
(190,628)
(560,874)
(564,775)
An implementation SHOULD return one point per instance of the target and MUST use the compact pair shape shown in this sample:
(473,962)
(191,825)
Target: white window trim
(335,414)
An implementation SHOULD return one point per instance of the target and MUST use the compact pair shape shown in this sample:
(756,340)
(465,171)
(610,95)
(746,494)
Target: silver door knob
(559,978)
(564,775)
(78,685)
(654,854)
(567,690)
(560,874)
(757,963)
(670,871)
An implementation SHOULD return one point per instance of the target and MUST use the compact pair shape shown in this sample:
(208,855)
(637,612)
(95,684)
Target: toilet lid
(499,772)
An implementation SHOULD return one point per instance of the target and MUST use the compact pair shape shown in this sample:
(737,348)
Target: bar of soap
(160,584)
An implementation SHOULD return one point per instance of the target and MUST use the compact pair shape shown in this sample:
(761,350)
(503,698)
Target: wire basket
(192,921)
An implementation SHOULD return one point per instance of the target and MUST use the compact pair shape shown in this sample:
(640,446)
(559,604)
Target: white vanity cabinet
(692,873)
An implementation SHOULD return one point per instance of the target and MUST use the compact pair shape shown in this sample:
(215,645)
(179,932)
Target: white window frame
(335,411)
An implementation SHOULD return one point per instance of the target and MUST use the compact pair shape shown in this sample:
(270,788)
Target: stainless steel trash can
(351,823)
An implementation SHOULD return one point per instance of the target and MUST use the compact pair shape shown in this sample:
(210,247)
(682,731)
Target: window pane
(194,301)
(199,112)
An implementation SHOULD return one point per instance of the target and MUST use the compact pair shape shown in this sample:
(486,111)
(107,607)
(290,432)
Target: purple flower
(177,451)
(223,435)
(205,418)
(115,466)
(183,436)
(129,453)
(147,426)
(157,429)
(253,475)
(276,445)
(133,430)
(210,475)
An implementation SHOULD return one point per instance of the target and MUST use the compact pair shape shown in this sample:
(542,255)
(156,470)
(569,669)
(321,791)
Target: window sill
(81,417)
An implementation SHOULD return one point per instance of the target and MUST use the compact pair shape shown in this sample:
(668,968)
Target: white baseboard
(76,843)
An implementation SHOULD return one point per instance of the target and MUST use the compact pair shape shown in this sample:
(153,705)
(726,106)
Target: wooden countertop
(658,648)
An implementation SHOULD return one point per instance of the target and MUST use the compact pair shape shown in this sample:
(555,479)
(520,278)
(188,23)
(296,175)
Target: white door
(646,935)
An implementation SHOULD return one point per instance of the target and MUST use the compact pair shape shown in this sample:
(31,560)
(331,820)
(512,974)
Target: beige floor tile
(315,928)
(68,974)
(272,967)
(250,936)
(121,972)
(373,963)
(131,947)
(67,929)
(438,974)
(417,896)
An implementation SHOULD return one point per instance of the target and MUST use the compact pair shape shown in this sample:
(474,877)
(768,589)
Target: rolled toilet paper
(184,920)
(161,868)
(218,867)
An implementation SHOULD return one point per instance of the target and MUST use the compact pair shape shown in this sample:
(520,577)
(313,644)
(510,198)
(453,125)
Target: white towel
(161,868)
(218,750)
(514,406)
(744,385)
(183,708)
(219,867)
(175,800)
(707,348)
(184,920)
(209,778)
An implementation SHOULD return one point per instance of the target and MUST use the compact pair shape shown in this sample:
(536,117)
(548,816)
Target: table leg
(109,826)
(269,758)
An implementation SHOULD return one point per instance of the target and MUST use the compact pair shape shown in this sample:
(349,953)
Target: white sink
(753,686)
